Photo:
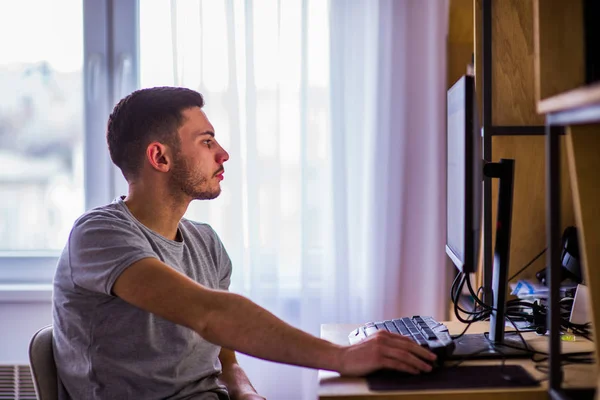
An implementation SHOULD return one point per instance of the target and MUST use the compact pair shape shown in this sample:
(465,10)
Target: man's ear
(159,156)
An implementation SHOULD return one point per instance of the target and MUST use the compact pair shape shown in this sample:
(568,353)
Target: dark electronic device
(569,258)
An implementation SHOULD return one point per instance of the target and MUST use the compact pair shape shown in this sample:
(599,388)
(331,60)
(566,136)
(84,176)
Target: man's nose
(222,156)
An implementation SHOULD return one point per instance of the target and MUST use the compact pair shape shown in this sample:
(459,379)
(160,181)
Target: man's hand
(385,350)
(235,379)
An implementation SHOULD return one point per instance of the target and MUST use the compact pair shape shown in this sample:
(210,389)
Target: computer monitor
(465,171)
(464,177)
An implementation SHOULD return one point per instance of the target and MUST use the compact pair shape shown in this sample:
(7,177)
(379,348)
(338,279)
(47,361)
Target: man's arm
(235,379)
(234,322)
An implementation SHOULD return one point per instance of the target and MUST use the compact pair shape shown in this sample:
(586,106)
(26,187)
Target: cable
(481,303)
(473,315)
(516,309)
(572,358)
(454,282)
(527,265)
(463,332)
(476,301)
(518,332)
(455,295)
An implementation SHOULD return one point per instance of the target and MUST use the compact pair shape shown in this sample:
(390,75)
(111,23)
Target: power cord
(527,265)
(472,315)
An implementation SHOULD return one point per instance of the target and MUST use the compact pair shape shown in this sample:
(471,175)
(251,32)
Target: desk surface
(333,386)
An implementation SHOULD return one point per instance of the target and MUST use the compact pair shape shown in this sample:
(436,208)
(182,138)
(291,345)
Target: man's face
(198,163)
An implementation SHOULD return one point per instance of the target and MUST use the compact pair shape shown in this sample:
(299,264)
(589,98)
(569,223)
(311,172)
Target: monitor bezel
(462,94)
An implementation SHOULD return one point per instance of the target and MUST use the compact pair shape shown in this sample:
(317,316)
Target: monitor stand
(479,346)
(497,343)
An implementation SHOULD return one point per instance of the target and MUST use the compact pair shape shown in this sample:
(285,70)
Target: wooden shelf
(581,97)
(559,55)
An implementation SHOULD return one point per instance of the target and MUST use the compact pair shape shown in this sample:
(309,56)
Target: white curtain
(332,207)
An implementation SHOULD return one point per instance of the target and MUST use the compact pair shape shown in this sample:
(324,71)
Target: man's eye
(207,142)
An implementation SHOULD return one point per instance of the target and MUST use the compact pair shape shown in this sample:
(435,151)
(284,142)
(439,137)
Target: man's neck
(156,210)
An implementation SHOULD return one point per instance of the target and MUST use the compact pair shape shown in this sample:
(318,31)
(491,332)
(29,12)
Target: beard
(193,184)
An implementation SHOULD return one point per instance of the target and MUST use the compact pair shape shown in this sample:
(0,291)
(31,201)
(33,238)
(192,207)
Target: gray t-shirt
(106,348)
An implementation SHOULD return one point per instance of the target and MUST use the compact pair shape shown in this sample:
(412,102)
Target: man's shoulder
(108,212)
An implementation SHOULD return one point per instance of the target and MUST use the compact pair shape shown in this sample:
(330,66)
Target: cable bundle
(518,310)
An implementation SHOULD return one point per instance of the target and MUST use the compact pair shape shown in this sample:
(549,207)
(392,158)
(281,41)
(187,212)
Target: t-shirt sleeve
(224,263)
(101,248)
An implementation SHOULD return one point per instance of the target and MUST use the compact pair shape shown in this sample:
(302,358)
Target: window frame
(110,71)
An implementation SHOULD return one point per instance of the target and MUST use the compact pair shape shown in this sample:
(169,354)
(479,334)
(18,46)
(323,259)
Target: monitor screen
(463,177)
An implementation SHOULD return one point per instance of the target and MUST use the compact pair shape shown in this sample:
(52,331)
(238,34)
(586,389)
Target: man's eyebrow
(211,133)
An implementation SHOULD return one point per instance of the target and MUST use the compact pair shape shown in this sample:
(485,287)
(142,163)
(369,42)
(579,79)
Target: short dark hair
(142,117)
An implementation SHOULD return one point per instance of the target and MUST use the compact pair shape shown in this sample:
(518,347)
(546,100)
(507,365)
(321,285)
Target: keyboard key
(428,333)
(420,340)
(401,327)
(391,327)
(371,329)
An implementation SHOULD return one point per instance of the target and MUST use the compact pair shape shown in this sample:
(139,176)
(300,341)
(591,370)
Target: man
(141,307)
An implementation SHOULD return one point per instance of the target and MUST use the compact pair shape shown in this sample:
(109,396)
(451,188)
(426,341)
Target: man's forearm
(237,323)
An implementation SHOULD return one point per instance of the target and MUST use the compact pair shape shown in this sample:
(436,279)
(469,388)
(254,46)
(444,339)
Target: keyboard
(426,331)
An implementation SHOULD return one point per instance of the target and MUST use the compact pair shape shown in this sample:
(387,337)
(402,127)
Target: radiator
(16,383)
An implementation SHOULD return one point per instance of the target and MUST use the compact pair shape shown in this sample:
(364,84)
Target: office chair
(43,367)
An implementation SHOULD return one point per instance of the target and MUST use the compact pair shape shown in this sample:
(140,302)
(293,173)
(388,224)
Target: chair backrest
(43,367)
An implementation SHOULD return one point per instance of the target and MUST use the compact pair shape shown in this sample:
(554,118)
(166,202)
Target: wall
(19,320)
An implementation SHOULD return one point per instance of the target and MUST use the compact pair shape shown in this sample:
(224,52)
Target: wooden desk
(333,386)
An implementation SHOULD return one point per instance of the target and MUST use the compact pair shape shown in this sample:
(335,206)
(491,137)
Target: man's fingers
(405,343)
(422,352)
(407,358)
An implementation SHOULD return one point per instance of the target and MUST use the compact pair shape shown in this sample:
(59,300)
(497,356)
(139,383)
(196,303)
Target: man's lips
(219,174)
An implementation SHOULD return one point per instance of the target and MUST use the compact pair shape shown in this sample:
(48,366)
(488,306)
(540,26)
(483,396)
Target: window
(54,103)
(264,71)
(41,123)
